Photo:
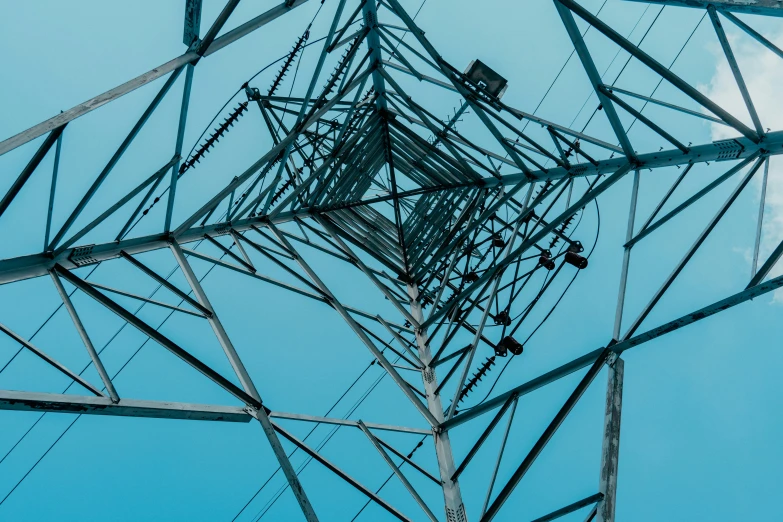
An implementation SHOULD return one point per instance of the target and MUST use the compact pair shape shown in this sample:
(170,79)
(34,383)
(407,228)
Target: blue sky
(700,425)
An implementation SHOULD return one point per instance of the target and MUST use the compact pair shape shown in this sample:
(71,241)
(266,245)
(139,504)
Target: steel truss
(429,236)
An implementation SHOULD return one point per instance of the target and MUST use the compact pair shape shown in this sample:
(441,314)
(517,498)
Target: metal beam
(57,403)
(757,7)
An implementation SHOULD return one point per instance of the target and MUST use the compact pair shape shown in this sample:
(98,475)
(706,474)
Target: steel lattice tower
(362,172)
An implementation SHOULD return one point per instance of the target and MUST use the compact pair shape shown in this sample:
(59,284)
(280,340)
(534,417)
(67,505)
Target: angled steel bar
(158,337)
(154,180)
(346,422)
(570,508)
(595,78)
(340,473)
(238,243)
(648,229)
(166,283)
(214,321)
(541,443)
(692,250)
(764,270)
(147,300)
(724,43)
(402,342)
(462,354)
(183,118)
(484,436)
(666,196)
(52,190)
(618,316)
(49,360)
(709,310)
(752,32)
(662,71)
(115,158)
(398,473)
(217,25)
(760,221)
(499,457)
(51,139)
(86,405)
(77,322)
(644,119)
(229,253)
(282,458)
(143,79)
(402,383)
(406,459)
(614,89)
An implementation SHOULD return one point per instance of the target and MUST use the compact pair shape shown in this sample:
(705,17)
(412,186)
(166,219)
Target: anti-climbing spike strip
(476,214)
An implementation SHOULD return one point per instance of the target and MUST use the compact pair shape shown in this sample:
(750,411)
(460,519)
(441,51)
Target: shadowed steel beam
(758,7)
(52,190)
(51,139)
(143,79)
(340,473)
(541,443)
(217,26)
(579,504)
(147,300)
(595,78)
(724,43)
(760,221)
(52,402)
(752,33)
(27,344)
(214,322)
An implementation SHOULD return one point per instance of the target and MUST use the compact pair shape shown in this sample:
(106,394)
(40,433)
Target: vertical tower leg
(610,450)
(455,509)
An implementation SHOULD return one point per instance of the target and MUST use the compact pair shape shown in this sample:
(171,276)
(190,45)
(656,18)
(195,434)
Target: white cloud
(763,74)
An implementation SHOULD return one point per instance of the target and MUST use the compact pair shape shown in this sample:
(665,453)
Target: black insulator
(508,344)
(474,380)
(572,258)
(471,277)
(503,318)
(546,260)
